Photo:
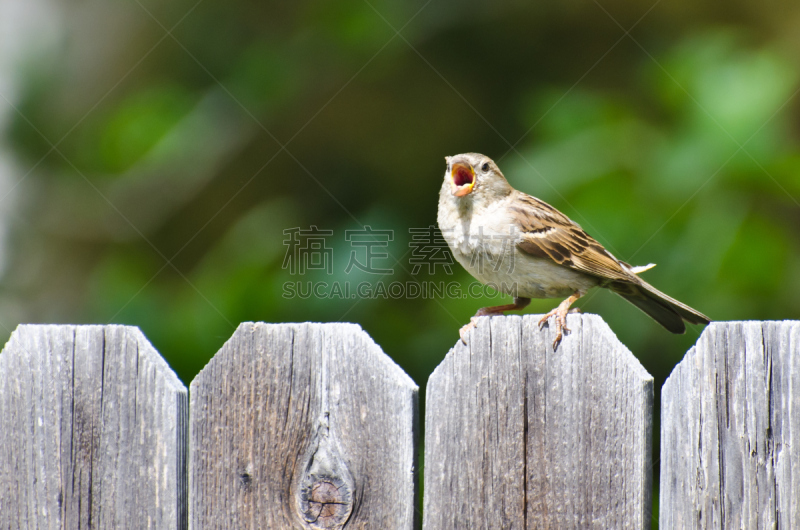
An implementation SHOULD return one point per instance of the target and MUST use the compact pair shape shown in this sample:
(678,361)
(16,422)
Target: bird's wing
(548,233)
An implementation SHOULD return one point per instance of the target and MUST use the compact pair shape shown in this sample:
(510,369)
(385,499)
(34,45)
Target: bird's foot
(464,331)
(560,313)
(561,324)
(519,303)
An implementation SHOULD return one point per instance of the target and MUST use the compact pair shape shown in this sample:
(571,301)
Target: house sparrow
(526,248)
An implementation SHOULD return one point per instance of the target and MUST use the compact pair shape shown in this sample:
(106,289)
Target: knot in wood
(324,488)
(327,502)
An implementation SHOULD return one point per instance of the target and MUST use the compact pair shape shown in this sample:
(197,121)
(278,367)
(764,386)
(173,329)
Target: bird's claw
(464,331)
(561,323)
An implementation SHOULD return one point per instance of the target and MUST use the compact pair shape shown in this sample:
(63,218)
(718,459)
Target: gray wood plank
(302,426)
(92,431)
(520,436)
(730,411)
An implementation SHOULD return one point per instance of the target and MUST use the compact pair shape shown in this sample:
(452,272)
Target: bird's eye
(485,167)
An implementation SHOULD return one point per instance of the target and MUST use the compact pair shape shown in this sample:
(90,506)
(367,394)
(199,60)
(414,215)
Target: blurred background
(176,165)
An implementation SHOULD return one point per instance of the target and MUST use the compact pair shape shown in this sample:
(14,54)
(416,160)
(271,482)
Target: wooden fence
(312,426)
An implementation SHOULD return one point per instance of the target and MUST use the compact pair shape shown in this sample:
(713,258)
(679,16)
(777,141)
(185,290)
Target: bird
(523,247)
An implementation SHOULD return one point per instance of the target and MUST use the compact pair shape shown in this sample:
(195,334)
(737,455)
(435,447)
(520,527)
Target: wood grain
(521,436)
(92,431)
(730,412)
(302,426)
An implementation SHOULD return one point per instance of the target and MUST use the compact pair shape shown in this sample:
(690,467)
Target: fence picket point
(92,430)
(730,412)
(302,426)
(520,436)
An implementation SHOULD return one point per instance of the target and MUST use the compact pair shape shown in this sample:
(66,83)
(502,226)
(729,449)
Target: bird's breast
(487,246)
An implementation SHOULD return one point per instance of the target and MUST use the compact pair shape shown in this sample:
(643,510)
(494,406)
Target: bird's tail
(662,308)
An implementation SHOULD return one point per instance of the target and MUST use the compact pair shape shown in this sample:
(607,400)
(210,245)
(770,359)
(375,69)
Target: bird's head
(474,177)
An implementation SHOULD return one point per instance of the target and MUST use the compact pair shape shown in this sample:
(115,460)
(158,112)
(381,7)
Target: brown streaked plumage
(549,255)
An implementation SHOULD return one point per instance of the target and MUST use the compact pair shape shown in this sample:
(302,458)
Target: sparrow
(523,247)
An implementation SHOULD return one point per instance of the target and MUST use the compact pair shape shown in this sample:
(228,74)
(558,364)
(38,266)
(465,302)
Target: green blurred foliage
(181,158)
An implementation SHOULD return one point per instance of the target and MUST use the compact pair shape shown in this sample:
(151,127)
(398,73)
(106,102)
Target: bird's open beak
(462,179)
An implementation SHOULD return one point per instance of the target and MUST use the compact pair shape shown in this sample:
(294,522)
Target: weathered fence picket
(311,426)
(302,426)
(520,436)
(92,431)
(730,436)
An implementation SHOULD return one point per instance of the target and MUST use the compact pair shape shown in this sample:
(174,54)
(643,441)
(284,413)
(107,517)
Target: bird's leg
(519,303)
(560,313)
